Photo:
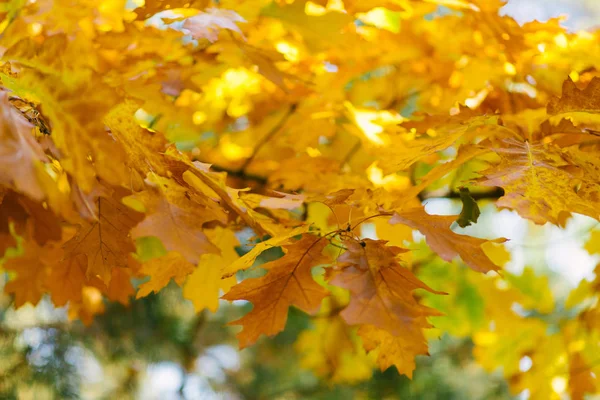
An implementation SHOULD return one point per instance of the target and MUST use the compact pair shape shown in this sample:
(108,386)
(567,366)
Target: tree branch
(488,195)
(265,139)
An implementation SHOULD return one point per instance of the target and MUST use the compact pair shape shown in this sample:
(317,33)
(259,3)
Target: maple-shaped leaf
(575,100)
(381,289)
(288,282)
(442,132)
(25,213)
(176,216)
(119,288)
(32,270)
(545,183)
(20,154)
(161,270)
(397,350)
(67,279)
(105,242)
(203,285)
(442,240)
(207,24)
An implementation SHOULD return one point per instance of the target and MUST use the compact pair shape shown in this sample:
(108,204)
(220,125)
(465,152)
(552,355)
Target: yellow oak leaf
(397,350)
(248,259)
(143,148)
(544,183)
(288,282)
(574,100)
(203,285)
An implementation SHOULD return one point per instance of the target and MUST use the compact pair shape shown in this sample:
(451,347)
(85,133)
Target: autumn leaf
(575,100)
(203,285)
(21,157)
(399,351)
(444,241)
(32,271)
(288,282)
(176,215)
(161,270)
(543,183)
(67,279)
(248,259)
(104,242)
(380,288)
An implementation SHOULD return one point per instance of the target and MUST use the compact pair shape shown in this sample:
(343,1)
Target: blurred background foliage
(159,348)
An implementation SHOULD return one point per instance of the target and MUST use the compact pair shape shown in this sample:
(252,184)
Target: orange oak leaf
(67,279)
(176,216)
(32,271)
(105,242)
(381,289)
(161,270)
(120,288)
(24,213)
(288,282)
(444,241)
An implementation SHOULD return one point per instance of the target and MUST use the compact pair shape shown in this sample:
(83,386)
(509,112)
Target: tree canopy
(144,142)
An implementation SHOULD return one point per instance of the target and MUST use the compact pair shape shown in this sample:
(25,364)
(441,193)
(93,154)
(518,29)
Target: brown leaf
(380,288)
(443,241)
(288,282)
(20,154)
(106,242)
(176,216)
(32,269)
(67,279)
